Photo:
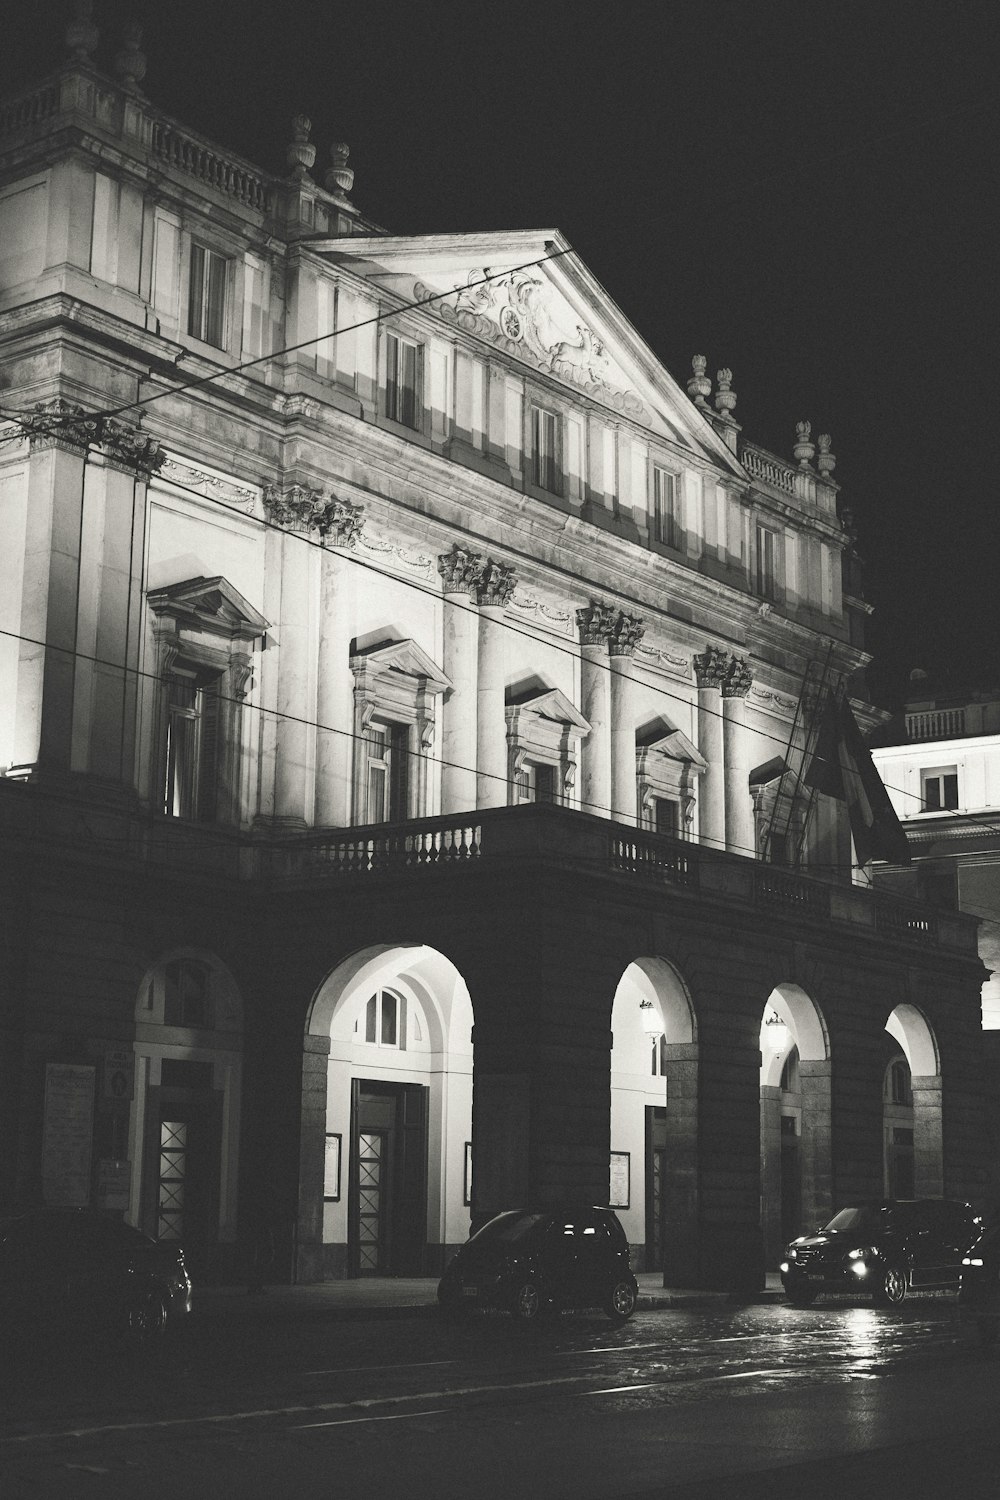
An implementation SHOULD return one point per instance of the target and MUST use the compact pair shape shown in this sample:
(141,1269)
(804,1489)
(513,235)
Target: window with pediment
(667,768)
(396,691)
(204,633)
(544,732)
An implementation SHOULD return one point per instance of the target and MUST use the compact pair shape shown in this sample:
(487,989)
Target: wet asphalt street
(744,1402)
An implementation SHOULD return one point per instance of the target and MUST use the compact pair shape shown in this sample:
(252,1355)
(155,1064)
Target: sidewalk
(403,1297)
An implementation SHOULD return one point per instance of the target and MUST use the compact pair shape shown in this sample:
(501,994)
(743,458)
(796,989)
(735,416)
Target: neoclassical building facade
(407,693)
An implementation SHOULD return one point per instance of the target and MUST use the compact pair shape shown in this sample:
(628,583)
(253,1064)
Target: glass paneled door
(372,1185)
(387,1234)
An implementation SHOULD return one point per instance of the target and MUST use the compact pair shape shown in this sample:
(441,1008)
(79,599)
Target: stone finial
(626,633)
(699,386)
(130,60)
(595,622)
(496,583)
(725,396)
(460,570)
(339,177)
(825,463)
(804,449)
(301,152)
(738,679)
(81,34)
(710,667)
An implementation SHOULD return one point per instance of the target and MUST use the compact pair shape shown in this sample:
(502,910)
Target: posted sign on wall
(68,1133)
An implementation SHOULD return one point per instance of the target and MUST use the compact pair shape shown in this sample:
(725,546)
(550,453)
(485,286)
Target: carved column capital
(739,678)
(495,584)
(626,633)
(296,509)
(339,522)
(461,570)
(596,622)
(61,423)
(710,667)
(130,448)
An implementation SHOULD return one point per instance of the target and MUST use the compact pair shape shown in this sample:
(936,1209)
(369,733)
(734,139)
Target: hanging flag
(842,767)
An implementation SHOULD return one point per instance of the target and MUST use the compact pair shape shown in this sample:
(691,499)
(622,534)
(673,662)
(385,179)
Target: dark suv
(886,1247)
(529,1261)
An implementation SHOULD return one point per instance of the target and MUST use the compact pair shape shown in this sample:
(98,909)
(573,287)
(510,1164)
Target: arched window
(384,1022)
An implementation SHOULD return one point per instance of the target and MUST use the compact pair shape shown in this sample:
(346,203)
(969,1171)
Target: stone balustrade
(196,158)
(770,470)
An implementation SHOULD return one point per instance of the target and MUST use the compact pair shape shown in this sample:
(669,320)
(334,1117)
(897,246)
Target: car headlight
(972,1260)
(792,1253)
(862,1252)
(783,1267)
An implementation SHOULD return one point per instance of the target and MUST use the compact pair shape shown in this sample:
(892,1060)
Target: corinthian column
(710,670)
(340,524)
(493,589)
(736,751)
(626,633)
(460,571)
(595,623)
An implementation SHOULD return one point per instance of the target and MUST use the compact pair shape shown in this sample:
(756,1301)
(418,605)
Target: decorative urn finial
(130,60)
(825,463)
(804,450)
(339,177)
(699,386)
(301,152)
(82,35)
(725,397)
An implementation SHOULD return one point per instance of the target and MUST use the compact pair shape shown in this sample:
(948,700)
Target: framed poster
(621,1166)
(331,1169)
(468,1174)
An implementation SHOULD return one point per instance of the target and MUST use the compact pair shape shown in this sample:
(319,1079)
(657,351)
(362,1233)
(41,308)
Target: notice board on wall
(67,1134)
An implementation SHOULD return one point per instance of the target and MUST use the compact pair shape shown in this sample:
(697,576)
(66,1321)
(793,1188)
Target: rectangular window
(207,300)
(939,790)
(666,816)
(190,786)
(388,772)
(666,524)
(535,783)
(401,380)
(544,450)
(766,555)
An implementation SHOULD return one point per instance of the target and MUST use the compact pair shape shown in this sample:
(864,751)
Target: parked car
(886,1247)
(67,1273)
(527,1262)
(979,1293)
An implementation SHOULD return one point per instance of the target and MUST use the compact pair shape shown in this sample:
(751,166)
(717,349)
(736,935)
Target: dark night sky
(804,192)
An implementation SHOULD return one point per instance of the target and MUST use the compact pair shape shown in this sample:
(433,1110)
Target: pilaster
(736,753)
(626,633)
(595,623)
(461,571)
(493,590)
(710,669)
(339,527)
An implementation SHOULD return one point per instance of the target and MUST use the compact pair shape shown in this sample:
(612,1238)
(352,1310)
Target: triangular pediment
(406,658)
(553,705)
(672,743)
(529,294)
(210,604)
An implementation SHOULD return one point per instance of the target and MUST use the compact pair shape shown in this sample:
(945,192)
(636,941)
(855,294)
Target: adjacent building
(408,689)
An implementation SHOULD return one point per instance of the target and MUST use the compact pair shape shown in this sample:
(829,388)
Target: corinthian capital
(130,448)
(596,622)
(496,583)
(461,570)
(626,633)
(339,522)
(738,679)
(710,667)
(297,509)
(61,423)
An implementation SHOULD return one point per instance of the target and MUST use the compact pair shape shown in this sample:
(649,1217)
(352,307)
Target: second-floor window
(388,772)
(666,527)
(767,551)
(544,450)
(207,296)
(402,372)
(939,789)
(192,741)
(535,782)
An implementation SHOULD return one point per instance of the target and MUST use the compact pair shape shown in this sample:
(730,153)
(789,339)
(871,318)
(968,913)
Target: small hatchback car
(528,1262)
(979,1293)
(885,1247)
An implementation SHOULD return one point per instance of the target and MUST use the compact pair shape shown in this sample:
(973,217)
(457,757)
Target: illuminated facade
(407,687)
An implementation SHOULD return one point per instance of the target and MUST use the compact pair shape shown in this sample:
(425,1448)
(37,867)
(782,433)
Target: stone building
(406,690)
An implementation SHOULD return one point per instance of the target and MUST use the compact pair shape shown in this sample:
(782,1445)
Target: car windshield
(507,1229)
(857,1218)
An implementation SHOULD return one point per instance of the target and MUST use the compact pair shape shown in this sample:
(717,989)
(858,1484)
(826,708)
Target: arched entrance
(654,1117)
(795,1132)
(184,1118)
(387,1124)
(911,1123)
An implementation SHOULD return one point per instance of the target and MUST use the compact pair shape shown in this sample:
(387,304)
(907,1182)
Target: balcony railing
(902,919)
(198,160)
(936,724)
(432,844)
(656,858)
(792,893)
(771,470)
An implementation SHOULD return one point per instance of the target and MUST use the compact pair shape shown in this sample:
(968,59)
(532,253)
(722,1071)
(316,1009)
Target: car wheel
(621,1300)
(891,1289)
(527,1302)
(145,1322)
(801,1296)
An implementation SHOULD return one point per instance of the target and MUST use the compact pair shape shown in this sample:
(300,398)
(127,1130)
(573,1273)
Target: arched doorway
(654,1117)
(794,1118)
(387,1148)
(184,1119)
(912,1149)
